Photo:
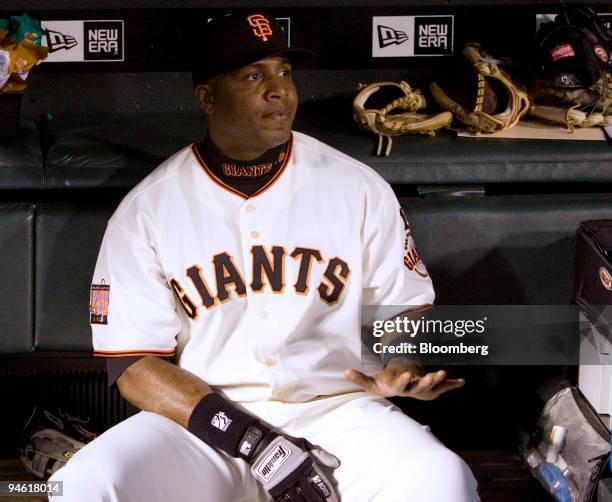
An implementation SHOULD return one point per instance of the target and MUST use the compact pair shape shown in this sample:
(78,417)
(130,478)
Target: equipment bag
(593,279)
(570,448)
(593,295)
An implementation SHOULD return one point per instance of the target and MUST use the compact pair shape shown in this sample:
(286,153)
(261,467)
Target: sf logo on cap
(261,26)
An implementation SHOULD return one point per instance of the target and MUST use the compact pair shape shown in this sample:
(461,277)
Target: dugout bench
(494,221)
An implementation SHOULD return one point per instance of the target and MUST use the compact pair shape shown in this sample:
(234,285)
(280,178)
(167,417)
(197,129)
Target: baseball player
(247,257)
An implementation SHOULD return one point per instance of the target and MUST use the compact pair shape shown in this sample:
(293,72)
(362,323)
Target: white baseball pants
(386,457)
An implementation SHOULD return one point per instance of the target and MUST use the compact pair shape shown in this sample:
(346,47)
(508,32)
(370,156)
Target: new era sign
(84,41)
(388,36)
(408,36)
(433,35)
(103,40)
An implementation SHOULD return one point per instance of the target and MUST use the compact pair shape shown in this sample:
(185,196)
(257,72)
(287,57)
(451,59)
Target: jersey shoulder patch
(99,298)
(412,259)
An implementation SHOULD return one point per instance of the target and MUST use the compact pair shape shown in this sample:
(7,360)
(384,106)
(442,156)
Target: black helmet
(574,49)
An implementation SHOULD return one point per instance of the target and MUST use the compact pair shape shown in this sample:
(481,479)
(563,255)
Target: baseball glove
(574,108)
(50,440)
(387,122)
(581,107)
(47,451)
(498,101)
(573,86)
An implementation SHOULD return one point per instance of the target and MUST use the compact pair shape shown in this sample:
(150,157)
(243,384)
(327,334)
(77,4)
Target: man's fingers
(394,379)
(326,458)
(438,377)
(321,455)
(405,383)
(359,378)
(406,377)
(434,392)
(429,381)
(450,384)
(434,382)
(421,385)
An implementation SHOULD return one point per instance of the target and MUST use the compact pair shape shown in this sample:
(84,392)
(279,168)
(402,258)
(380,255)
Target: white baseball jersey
(260,297)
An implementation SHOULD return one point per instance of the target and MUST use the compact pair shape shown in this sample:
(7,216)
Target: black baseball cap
(236,40)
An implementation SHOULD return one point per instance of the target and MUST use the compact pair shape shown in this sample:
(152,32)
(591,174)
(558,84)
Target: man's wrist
(255,440)
(221,424)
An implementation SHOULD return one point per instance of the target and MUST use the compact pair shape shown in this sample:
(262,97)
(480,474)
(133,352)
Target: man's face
(252,108)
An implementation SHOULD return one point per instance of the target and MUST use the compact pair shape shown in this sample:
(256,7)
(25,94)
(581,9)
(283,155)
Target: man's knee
(95,477)
(456,476)
(434,475)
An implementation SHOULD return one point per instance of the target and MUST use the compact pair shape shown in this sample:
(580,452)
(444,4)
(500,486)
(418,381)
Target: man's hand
(288,469)
(405,380)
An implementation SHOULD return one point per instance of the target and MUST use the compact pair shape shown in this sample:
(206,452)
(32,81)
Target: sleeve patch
(412,259)
(98,303)
(405,220)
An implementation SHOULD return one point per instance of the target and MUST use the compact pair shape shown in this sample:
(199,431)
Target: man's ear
(205,98)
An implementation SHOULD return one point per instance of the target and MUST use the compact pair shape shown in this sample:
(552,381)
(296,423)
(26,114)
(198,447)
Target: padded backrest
(21,160)
(487,250)
(502,250)
(16,277)
(68,238)
(115,152)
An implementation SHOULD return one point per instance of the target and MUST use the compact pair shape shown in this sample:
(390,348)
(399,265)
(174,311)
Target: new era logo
(221,421)
(388,36)
(409,36)
(103,40)
(433,35)
(77,41)
(57,41)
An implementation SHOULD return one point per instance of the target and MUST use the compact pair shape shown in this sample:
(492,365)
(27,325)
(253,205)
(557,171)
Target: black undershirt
(246,176)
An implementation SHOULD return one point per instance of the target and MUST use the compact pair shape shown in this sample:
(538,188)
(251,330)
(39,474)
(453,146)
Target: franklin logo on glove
(273,461)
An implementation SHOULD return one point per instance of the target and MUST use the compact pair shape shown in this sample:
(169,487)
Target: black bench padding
(68,238)
(445,159)
(120,152)
(21,161)
(487,250)
(115,152)
(502,250)
(16,277)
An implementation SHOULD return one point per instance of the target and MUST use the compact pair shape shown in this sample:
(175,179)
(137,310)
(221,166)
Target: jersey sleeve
(393,273)
(132,310)
(115,366)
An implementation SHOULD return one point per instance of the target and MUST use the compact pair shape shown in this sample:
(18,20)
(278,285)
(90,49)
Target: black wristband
(221,424)
(252,442)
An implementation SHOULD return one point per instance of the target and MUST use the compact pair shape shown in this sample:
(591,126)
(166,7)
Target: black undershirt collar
(246,176)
